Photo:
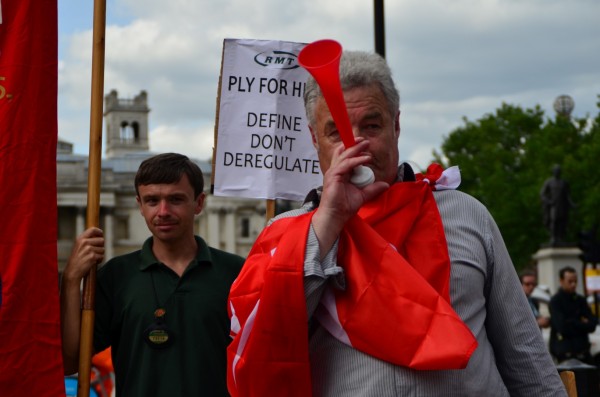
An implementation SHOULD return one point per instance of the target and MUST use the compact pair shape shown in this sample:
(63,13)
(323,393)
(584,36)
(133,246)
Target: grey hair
(357,69)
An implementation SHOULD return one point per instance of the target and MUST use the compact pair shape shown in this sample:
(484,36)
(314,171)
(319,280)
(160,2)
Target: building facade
(231,224)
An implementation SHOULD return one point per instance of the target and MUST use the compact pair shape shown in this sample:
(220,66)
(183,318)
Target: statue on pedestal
(556,203)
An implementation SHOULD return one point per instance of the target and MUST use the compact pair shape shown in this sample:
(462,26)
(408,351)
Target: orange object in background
(103,379)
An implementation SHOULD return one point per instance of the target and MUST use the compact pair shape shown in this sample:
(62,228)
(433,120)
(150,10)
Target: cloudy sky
(450,58)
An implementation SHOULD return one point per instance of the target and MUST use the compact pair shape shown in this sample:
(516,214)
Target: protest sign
(263,145)
(592,279)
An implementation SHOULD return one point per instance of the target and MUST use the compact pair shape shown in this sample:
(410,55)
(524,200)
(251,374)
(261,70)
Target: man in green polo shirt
(162,309)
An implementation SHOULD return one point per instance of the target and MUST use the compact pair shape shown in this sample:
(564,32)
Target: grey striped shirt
(511,359)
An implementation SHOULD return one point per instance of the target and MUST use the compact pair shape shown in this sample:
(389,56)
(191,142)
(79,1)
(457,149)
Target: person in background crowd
(571,320)
(529,282)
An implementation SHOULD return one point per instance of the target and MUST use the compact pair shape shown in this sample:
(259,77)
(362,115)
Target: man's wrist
(68,278)
(327,230)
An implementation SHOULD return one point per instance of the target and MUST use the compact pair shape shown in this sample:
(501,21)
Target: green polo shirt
(131,287)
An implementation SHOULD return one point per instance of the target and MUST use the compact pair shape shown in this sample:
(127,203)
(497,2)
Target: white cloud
(193,141)
(450,59)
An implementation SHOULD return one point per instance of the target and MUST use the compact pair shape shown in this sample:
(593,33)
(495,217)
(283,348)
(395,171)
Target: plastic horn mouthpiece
(322,60)
(362,176)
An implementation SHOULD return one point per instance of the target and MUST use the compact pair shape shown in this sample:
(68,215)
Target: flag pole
(93,196)
(270,210)
(216,131)
(379,24)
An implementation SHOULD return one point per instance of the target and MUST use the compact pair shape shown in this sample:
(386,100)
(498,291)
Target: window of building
(245,227)
(66,223)
(121,228)
(126,132)
(136,131)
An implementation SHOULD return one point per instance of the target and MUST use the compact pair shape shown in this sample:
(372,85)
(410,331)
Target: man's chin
(164,228)
(164,233)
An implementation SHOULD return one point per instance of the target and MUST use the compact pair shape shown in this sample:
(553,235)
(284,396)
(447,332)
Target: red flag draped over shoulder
(395,306)
(30,349)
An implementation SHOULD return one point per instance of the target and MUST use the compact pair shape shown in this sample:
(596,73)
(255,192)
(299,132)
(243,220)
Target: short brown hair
(169,168)
(527,273)
(564,270)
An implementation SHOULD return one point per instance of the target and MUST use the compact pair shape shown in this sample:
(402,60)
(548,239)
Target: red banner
(30,347)
(395,307)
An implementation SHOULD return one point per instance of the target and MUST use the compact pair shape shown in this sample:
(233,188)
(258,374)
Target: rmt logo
(277,59)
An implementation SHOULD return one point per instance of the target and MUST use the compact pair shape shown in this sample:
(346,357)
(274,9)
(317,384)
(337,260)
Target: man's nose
(163,207)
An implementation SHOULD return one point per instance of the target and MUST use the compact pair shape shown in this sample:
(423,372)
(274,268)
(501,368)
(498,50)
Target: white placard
(592,281)
(264,149)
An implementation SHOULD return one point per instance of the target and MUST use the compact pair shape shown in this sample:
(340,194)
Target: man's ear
(139,202)
(397,125)
(200,203)
(313,137)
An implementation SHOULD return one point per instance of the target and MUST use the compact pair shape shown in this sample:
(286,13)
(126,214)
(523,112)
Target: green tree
(586,176)
(504,159)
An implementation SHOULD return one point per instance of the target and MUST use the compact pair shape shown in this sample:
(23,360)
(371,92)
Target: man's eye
(334,135)
(371,129)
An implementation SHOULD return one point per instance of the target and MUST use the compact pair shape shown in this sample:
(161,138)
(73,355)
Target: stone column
(108,233)
(230,240)
(213,235)
(200,225)
(80,221)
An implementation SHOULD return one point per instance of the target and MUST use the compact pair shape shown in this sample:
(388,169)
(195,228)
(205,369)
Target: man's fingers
(96,242)
(374,189)
(92,232)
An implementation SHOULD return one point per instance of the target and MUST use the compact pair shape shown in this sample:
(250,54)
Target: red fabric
(282,369)
(407,216)
(434,172)
(30,347)
(390,309)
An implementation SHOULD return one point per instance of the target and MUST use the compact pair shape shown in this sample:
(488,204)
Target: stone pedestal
(549,262)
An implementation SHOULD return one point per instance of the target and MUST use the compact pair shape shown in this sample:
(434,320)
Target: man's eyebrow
(170,195)
(376,114)
(330,124)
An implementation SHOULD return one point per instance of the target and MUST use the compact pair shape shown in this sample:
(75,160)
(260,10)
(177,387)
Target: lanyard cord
(157,335)
(160,310)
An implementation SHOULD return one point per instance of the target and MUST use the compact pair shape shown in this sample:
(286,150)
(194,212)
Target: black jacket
(571,320)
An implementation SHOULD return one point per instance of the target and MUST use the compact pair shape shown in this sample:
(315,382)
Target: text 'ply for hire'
(266,85)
